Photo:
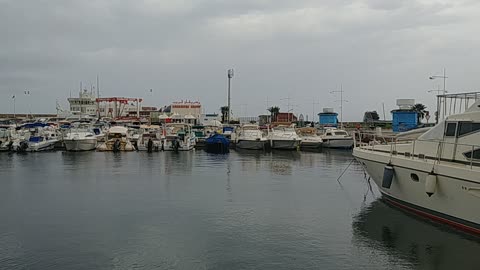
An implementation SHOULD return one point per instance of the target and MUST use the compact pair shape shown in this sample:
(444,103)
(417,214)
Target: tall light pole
(230,76)
(444,77)
(313,109)
(341,103)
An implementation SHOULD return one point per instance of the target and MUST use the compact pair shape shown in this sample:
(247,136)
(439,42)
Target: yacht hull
(346,143)
(80,144)
(285,144)
(251,144)
(455,201)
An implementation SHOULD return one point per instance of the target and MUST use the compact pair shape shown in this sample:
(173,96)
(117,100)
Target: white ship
(81,138)
(436,175)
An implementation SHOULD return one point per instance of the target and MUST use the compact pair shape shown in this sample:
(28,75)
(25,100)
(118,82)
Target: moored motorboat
(310,139)
(284,138)
(178,137)
(116,140)
(251,137)
(337,138)
(217,144)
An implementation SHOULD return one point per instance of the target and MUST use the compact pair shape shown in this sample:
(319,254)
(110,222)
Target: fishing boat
(337,138)
(284,138)
(178,137)
(310,139)
(217,144)
(116,140)
(435,175)
(251,137)
(80,138)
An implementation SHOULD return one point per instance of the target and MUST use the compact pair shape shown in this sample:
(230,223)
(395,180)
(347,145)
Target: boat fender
(388,172)
(431,184)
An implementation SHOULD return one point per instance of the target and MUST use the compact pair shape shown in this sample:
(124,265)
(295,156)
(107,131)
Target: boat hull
(80,144)
(455,201)
(251,144)
(108,146)
(285,144)
(41,146)
(346,143)
(310,145)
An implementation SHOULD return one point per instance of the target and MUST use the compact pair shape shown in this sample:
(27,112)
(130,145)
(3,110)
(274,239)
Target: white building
(184,108)
(84,104)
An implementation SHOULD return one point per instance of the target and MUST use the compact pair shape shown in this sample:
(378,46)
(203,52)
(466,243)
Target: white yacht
(436,175)
(251,137)
(284,137)
(6,141)
(178,137)
(116,140)
(81,138)
(310,139)
(337,138)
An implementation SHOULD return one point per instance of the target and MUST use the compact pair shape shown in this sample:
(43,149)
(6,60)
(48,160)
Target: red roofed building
(286,118)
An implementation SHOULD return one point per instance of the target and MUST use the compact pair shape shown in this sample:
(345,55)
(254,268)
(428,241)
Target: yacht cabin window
(341,133)
(329,134)
(451,130)
(475,154)
(465,128)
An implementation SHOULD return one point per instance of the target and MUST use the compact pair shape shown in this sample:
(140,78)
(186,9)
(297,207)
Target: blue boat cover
(218,138)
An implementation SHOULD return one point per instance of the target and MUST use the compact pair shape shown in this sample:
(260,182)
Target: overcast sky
(380,50)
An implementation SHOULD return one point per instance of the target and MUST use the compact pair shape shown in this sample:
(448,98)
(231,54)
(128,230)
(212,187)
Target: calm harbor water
(244,210)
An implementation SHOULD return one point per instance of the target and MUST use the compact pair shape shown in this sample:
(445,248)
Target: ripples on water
(244,210)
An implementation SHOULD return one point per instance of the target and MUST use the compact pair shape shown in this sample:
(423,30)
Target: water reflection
(420,243)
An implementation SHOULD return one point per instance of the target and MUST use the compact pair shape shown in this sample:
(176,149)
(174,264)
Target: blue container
(404,120)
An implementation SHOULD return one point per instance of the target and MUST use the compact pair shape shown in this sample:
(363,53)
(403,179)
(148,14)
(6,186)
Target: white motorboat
(81,138)
(251,137)
(310,139)
(150,138)
(116,140)
(337,138)
(41,137)
(284,137)
(436,175)
(178,137)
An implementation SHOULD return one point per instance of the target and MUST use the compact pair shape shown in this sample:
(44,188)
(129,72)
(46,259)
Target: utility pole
(341,103)
(230,76)
(98,96)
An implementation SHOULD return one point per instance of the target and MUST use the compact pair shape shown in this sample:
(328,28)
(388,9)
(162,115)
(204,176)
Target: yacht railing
(408,148)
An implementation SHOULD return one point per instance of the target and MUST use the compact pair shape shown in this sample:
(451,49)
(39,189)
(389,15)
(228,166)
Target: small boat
(178,137)
(217,144)
(251,137)
(81,138)
(116,140)
(41,143)
(310,139)
(337,138)
(284,138)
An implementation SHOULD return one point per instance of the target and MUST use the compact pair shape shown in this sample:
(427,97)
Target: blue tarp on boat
(217,143)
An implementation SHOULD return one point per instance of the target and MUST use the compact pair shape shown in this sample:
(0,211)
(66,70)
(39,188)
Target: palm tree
(224,111)
(421,112)
(274,111)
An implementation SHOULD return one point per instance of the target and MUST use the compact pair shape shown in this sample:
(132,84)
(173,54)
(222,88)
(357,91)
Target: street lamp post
(230,76)
(444,77)
(14,112)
